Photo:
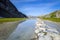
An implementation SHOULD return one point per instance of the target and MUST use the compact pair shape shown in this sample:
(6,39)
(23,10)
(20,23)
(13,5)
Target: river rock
(45,32)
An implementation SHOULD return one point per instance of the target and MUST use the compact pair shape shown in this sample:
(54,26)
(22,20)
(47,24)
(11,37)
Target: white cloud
(38,9)
(35,10)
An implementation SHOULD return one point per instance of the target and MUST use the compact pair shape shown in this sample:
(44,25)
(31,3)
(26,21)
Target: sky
(36,7)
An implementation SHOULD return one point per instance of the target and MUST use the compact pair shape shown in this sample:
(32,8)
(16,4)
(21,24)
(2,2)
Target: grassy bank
(7,25)
(6,29)
(52,19)
(10,19)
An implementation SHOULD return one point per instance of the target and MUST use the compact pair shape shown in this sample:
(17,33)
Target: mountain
(55,14)
(8,10)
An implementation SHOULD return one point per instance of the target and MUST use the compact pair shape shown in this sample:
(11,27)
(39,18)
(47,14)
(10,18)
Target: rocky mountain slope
(8,10)
(55,14)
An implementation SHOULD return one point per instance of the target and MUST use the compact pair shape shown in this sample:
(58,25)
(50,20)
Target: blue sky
(36,7)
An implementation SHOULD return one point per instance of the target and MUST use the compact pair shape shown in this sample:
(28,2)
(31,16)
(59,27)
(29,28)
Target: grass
(53,19)
(7,26)
(10,19)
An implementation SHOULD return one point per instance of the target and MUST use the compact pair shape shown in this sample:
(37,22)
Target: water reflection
(43,29)
(24,31)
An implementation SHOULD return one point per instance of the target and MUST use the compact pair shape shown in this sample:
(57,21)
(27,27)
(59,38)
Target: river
(26,30)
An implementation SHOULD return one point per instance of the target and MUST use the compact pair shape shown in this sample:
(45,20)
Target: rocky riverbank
(7,28)
(45,32)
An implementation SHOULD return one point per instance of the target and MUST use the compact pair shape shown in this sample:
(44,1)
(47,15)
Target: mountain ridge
(8,10)
(55,14)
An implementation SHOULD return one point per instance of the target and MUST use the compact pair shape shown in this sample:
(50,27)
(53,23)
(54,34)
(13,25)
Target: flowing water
(26,30)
